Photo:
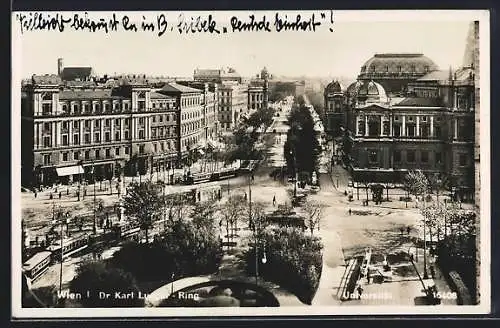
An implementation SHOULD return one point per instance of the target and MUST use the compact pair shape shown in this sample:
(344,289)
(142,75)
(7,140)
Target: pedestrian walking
(402,230)
(274,200)
(50,196)
(245,196)
(35,193)
(350,211)
(360,291)
(60,195)
(433,271)
(408,229)
(67,191)
(368,275)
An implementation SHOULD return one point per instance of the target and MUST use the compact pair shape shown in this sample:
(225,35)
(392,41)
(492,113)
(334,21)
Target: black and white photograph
(173,164)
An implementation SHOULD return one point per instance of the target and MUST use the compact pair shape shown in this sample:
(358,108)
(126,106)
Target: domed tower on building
(395,70)
(371,93)
(335,115)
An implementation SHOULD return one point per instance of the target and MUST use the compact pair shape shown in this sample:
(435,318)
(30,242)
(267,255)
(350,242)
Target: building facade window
(64,139)
(46,141)
(46,159)
(76,155)
(437,157)
(397,156)
(410,156)
(76,139)
(64,157)
(462,159)
(97,153)
(117,151)
(372,156)
(424,156)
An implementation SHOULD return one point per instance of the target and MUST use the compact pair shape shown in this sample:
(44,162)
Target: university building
(422,119)
(77,129)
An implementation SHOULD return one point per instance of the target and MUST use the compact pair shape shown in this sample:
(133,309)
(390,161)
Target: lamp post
(293,153)
(62,253)
(94,228)
(426,276)
(164,199)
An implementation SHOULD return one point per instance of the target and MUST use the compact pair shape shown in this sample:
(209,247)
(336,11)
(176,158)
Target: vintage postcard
(280,162)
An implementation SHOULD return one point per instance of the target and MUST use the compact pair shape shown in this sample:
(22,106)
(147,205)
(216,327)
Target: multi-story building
(190,123)
(258,95)
(334,113)
(74,132)
(427,126)
(233,102)
(210,105)
(255,97)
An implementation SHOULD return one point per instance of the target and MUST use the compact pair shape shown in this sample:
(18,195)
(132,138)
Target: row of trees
(242,146)
(301,149)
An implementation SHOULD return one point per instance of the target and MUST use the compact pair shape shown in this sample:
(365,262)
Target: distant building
(74,73)
(233,103)
(258,91)
(217,75)
(335,117)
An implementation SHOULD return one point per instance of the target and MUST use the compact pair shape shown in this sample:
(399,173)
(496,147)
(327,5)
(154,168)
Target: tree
(302,148)
(293,251)
(232,211)
(194,249)
(378,192)
(93,278)
(416,183)
(204,214)
(260,118)
(313,215)
(144,203)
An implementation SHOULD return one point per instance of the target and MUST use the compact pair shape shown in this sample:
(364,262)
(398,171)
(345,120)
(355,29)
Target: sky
(355,38)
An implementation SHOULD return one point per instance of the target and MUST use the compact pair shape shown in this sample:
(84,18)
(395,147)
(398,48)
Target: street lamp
(62,247)
(293,153)
(426,276)
(94,228)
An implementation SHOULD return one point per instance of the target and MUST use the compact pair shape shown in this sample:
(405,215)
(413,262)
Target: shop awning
(69,170)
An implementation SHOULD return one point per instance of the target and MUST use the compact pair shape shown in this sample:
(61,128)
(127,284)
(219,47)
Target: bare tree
(314,212)
(233,211)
